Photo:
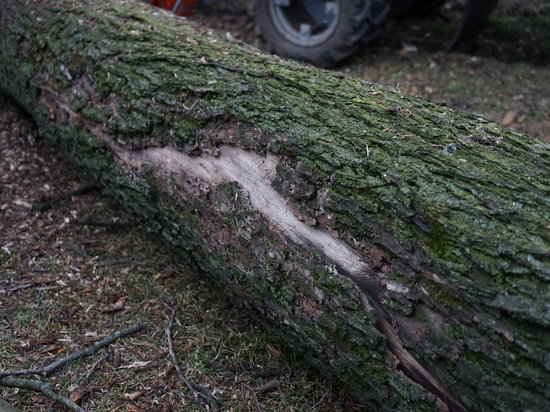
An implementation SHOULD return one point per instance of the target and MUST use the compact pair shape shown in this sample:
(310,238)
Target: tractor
(326,32)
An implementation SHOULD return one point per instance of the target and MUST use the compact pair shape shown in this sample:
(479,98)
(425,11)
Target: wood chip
(134,395)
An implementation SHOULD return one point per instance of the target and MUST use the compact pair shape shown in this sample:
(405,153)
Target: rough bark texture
(405,247)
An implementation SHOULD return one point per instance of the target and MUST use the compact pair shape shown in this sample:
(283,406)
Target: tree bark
(403,246)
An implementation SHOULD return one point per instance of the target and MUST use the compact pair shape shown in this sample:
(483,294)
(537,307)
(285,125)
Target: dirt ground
(79,269)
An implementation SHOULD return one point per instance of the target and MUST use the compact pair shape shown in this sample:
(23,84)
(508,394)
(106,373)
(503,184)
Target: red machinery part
(179,7)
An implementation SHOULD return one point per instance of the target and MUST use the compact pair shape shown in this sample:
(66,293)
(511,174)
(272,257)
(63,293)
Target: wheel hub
(306,22)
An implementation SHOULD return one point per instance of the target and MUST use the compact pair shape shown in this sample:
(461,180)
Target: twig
(41,207)
(93,368)
(33,270)
(43,387)
(197,389)
(120,262)
(270,386)
(110,225)
(26,285)
(90,350)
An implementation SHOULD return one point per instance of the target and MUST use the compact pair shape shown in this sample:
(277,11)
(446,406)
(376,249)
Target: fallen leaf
(53,348)
(77,395)
(377,255)
(164,275)
(160,355)
(119,305)
(145,367)
(508,118)
(42,341)
(242,378)
(197,317)
(45,279)
(274,351)
(116,358)
(311,307)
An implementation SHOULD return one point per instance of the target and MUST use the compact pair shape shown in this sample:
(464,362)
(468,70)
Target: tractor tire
(414,8)
(320,32)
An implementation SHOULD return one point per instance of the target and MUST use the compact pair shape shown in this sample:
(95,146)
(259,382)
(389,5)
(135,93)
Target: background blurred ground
(65,285)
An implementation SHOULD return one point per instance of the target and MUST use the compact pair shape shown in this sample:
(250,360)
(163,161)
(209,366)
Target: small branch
(90,350)
(20,373)
(120,262)
(110,225)
(41,207)
(270,386)
(33,270)
(43,387)
(197,389)
(26,285)
(93,368)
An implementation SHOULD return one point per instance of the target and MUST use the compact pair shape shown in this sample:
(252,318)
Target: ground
(82,269)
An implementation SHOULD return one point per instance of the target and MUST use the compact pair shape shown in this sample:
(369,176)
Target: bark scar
(255,172)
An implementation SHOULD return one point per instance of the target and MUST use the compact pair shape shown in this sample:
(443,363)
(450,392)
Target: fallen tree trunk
(403,246)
